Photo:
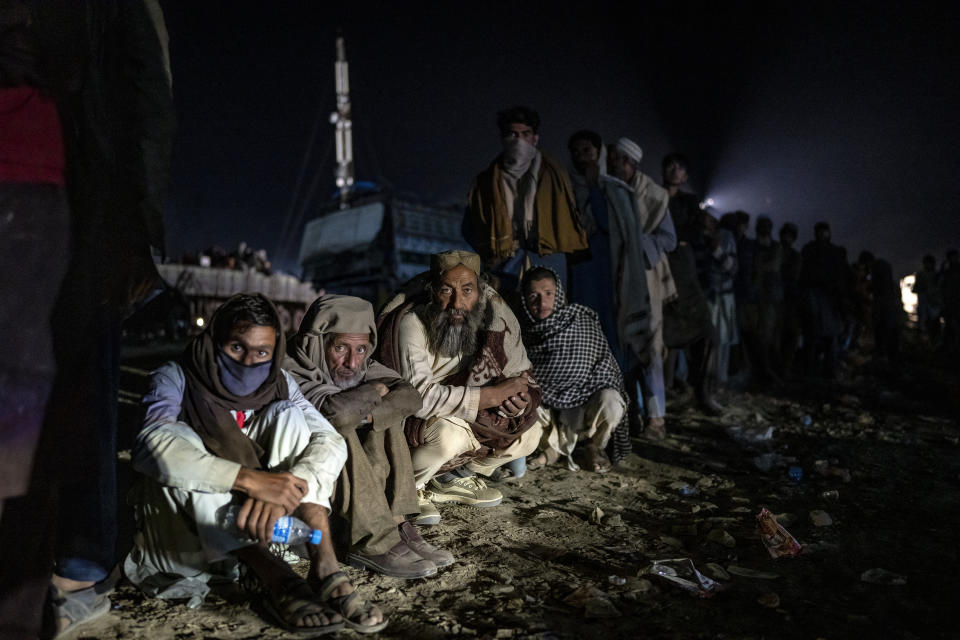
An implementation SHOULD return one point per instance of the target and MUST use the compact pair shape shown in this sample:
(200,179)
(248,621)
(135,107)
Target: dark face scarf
(211,393)
(239,379)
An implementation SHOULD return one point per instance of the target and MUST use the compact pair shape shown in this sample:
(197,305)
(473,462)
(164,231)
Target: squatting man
(457,342)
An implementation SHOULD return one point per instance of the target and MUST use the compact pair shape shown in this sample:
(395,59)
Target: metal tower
(343,126)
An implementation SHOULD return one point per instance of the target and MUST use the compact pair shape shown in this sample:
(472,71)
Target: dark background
(848,114)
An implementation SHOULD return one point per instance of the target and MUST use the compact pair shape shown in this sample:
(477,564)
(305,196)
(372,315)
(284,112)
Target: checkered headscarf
(572,360)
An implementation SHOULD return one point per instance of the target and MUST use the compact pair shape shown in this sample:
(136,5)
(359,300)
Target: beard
(346,378)
(452,332)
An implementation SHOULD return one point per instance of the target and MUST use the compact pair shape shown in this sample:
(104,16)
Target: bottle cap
(316,536)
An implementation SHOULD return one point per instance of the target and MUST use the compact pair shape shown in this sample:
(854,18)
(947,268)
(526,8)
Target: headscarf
(630,149)
(570,355)
(572,360)
(307,362)
(207,403)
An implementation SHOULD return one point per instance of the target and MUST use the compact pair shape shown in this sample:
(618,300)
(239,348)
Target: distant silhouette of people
(929,299)
(824,283)
(886,308)
(789,315)
(950,289)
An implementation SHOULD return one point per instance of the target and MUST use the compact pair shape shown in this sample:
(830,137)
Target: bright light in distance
(706,203)
(200,322)
(907,296)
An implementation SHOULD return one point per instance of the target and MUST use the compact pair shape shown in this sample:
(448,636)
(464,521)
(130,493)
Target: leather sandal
(351,606)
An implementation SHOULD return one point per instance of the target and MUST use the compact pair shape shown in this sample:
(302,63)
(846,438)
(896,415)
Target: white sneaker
(470,491)
(428,513)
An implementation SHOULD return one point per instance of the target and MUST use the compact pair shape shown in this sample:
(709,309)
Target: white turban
(630,149)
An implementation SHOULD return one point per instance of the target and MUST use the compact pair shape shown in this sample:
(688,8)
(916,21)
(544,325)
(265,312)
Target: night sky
(801,113)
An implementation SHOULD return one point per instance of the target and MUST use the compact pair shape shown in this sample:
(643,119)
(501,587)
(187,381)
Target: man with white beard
(367,403)
(521,210)
(457,342)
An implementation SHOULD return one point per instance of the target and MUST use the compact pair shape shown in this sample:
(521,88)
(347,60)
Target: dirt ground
(695,495)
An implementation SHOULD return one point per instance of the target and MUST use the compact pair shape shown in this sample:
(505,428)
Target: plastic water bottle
(287,529)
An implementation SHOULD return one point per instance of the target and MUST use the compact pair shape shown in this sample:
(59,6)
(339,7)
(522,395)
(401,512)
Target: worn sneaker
(399,562)
(471,491)
(412,538)
(428,513)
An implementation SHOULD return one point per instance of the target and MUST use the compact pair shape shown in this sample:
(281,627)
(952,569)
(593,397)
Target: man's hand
(257,518)
(495,395)
(283,489)
(380,387)
(514,406)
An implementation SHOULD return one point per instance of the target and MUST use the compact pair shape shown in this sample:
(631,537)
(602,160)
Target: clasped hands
(510,397)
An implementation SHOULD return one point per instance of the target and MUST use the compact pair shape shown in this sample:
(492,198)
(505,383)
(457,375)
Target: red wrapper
(776,539)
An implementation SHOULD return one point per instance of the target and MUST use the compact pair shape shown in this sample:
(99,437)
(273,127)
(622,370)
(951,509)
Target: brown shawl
(491,364)
(307,363)
(207,403)
(489,223)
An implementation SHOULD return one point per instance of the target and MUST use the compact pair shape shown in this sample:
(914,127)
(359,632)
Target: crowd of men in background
(590,294)
(938,302)
(243,258)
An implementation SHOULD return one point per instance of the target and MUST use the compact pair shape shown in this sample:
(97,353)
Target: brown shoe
(656,429)
(411,537)
(399,562)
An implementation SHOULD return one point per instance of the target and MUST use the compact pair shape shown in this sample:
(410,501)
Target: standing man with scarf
(611,279)
(659,238)
(521,210)
(331,360)
(226,426)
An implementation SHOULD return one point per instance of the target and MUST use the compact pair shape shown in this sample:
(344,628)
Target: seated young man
(227,427)
(457,342)
(582,385)
(330,358)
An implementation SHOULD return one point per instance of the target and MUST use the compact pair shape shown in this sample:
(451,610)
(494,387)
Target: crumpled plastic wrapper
(775,538)
(683,573)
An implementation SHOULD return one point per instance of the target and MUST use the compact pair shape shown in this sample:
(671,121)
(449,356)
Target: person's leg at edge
(605,410)
(521,447)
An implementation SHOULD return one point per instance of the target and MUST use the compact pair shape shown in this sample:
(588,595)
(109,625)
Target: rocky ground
(567,554)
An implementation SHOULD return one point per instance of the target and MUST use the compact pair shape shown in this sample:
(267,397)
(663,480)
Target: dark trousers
(51,318)
(86,522)
(375,485)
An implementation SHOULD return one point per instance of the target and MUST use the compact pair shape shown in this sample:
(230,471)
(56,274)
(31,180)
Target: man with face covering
(227,428)
(330,358)
(521,210)
(458,343)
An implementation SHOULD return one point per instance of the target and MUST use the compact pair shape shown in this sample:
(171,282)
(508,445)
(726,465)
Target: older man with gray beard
(367,403)
(457,342)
